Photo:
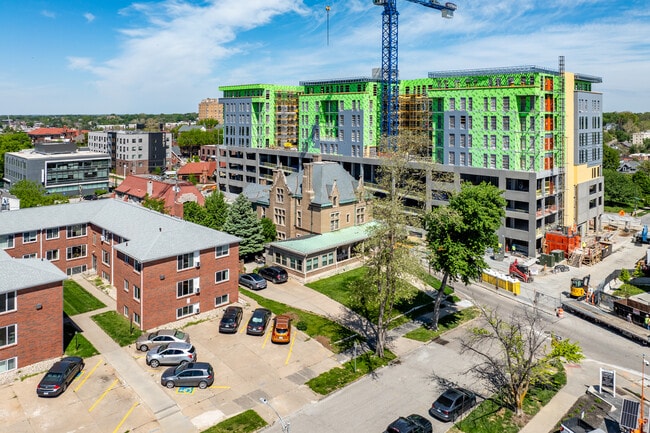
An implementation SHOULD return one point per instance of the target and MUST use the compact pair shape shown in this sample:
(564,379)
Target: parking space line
(101,397)
(293,340)
(125,417)
(266,338)
(88,375)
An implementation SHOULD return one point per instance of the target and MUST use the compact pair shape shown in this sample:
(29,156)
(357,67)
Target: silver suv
(171,354)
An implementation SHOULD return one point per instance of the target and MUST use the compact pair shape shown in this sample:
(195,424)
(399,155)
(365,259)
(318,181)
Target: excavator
(579,286)
(520,271)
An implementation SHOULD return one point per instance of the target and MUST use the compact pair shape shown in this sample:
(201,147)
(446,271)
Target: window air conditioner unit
(198,310)
(198,290)
(103,238)
(198,265)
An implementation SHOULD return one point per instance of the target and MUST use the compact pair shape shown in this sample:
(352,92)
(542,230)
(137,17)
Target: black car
(57,379)
(198,374)
(231,319)
(274,274)
(252,281)
(258,321)
(452,403)
(413,423)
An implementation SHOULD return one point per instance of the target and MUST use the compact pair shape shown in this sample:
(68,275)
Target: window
(222,250)
(52,233)
(452,140)
(506,123)
(493,122)
(506,142)
(76,252)
(7,335)
(76,231)
(6,241)
(136,292)
(280,216)
(506,162)
(361,215)
(126,285)
(221,300)
(279,195)
(52,255)
(187,310)
(493,141)
(7,302)
(463,104)
(506,103)
(7,364)
(334,221)
(186,287)
(126,311)
(298,218)
(136,318)
(76,270)
(106,258)
(493,161)
(29,256)
(29,237)
(221,276)
(137,266)
(452,104)
(185,261)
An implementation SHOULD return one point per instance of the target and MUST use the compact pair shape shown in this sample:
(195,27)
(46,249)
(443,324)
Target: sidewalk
(166,411)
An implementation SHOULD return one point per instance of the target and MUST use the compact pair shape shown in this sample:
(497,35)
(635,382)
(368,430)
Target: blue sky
(116,56)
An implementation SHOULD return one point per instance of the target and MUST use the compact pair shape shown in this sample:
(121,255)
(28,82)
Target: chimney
(150,188)
(307,183)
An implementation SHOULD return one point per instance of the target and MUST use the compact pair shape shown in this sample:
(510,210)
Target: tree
(242,222)
(610,158)
(12,142)
(514,354)
(268,230)
(619,188)
(195,213)
(385,252)
(459,234)
(216,210)
(32,194)
(157,204)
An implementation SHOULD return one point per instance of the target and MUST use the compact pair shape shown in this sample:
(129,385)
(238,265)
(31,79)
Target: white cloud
(89,17)
(48,14)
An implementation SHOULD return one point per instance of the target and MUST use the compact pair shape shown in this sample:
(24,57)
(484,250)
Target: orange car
(281,329)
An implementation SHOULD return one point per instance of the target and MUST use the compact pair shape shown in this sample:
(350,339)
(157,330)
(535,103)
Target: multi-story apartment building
(533,132)
(163,268)
(211,108)
(60,167)
(31,311)
(133,152)
(638,137)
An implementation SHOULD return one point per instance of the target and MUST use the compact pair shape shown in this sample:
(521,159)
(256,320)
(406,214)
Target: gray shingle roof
(149,235)
(13,272)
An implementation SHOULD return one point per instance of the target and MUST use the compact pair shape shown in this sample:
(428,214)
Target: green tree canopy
(32,194)
(619,188)
(611,158)
(268,230)
(12,142)
(216,209)
(242,222)
(195,213)
(157,204)
(459,234)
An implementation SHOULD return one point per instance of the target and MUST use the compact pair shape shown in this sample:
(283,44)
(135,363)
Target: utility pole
(327,9)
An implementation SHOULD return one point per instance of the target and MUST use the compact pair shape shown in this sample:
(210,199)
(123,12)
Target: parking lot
(246,367)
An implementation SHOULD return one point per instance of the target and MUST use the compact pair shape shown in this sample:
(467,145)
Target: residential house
(201,172)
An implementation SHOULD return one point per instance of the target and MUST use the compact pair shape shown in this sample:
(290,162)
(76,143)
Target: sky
(165,56)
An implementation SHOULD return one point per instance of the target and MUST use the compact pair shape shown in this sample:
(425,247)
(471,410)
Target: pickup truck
(577,425)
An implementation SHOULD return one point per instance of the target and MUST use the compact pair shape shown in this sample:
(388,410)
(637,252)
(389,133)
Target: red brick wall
(158,300)
(39,332)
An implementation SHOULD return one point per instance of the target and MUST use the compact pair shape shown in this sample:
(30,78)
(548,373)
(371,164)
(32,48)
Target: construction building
(536,133)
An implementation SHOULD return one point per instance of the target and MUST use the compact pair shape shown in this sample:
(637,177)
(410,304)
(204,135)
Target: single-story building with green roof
(308,256)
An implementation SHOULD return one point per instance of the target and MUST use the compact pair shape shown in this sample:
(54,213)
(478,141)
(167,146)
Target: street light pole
(642,421)
(285,424)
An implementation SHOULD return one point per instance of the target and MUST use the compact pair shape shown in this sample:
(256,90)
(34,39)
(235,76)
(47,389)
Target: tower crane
(389,67)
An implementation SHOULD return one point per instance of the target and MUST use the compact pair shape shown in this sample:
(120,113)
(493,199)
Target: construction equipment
(389,66)
(579,286)
(642,238)
(520,271)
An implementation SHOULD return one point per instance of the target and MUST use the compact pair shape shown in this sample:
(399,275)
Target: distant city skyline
(166,56)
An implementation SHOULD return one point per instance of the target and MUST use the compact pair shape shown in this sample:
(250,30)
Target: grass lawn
(324,330)
(350,371)
(245,422)
(117,327)
(627,290)
(77,300)
(79,346)
(337,287)
(490,417)
(445,324)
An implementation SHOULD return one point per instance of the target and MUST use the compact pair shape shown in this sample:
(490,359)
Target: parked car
(163,336)
(413,423)
(281,329)
(198,374)
(171,354)
(274,274)
(231,319)
(452,403)
(59,376)
(252,281)
(258,321)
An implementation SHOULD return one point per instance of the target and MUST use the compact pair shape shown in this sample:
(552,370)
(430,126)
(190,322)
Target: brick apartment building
(164,268)
(31,305)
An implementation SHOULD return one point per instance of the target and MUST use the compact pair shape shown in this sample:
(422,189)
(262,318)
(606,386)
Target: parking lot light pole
(285,424)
